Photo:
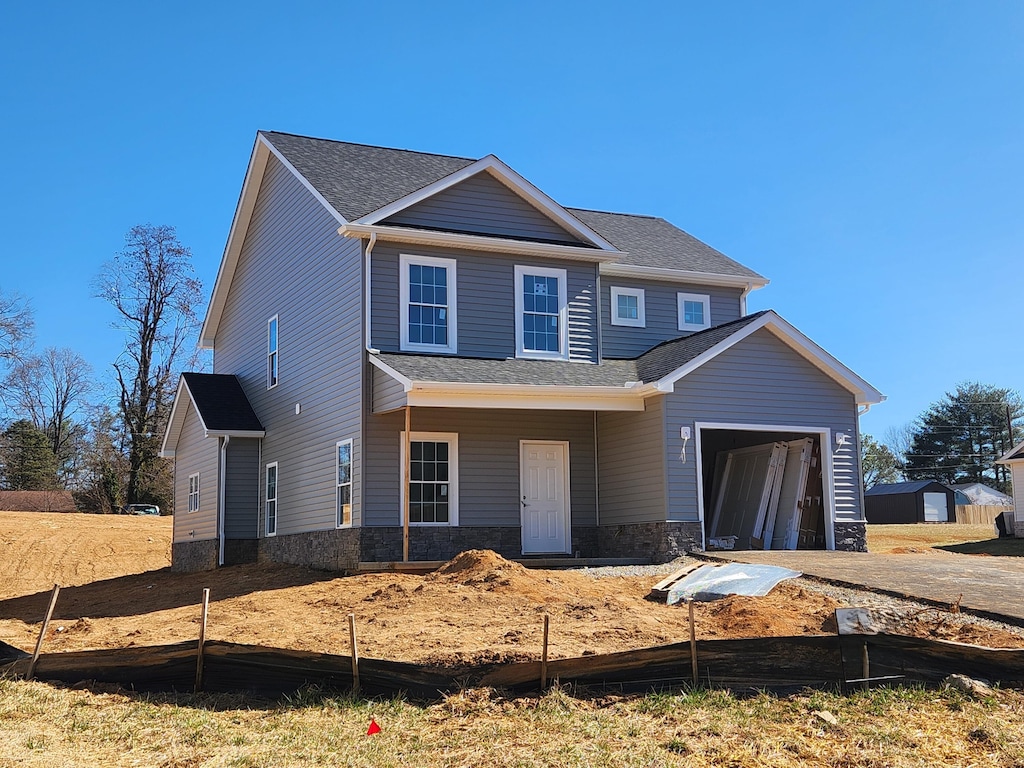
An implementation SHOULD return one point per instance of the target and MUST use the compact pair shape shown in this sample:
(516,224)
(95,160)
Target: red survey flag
(374,728)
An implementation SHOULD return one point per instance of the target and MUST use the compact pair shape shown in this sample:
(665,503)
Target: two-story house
(417,354)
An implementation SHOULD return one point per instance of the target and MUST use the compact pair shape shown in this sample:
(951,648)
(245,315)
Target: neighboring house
(1014,459)
(923,501)
(555,381)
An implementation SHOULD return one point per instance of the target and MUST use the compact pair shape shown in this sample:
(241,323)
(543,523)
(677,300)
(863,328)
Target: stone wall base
(239,551)
(661,542)
(851,537)
(193,556)
(331,550)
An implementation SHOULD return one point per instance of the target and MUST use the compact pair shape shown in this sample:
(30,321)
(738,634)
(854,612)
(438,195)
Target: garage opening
(763,490)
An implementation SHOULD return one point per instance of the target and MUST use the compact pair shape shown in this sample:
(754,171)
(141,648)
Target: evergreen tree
(29,463)
(878,464)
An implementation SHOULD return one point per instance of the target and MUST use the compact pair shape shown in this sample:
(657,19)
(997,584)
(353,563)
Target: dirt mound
(786,610)
(478,561)
(487,570)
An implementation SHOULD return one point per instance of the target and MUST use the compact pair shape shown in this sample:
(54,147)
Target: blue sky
(866,157)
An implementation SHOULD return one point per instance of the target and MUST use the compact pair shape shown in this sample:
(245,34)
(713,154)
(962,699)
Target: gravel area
(884,607)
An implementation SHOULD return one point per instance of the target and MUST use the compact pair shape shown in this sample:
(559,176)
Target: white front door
(544,497)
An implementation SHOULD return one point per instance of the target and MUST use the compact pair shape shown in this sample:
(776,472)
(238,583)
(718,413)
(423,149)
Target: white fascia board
(261,152)
(476,242)
(510,179)
(1011,456)
(235,433)
(524,397)
(791,337)
(682,276)
(403,380)
(176,421)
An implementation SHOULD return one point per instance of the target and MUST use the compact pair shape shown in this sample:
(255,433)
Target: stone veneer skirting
(331,550)
(192,556)
(851,537)
(661,542)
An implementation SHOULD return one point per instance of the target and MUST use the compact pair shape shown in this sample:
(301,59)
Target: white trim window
(426,295)
(193,492)
(542,313)
(433,478)
(694,311)
(271,498)
(343,478)
(628,307)
(272,372)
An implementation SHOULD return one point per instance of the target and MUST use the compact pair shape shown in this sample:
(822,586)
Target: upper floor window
(193,492)
(272,352)
(694,311)
(628,307)
(428,307)
(542,330)
(343,454)
(271,499)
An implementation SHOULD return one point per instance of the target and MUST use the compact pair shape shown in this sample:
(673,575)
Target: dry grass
(920,537)
(46,726)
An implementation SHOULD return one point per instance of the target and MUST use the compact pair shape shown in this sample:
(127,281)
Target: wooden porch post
(406,471)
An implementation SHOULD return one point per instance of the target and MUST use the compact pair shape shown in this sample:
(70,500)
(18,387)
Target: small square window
(628,307)
(694,311)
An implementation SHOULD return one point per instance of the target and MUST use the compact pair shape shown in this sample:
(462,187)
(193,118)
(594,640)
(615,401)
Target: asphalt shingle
(222,403)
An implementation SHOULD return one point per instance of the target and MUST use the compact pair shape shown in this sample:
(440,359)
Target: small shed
(923,501)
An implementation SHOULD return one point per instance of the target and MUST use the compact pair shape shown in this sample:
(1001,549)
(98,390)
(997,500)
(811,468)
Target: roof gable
(219,402)
(1015,454)
(892,489)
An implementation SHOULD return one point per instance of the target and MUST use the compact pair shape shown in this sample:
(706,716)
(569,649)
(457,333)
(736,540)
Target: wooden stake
(355,653)
(866,666)
(406,480)
(544,655)
(42,632)
(693,644)
(202,640)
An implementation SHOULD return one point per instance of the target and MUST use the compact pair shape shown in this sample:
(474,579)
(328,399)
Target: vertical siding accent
(486,300)
(195,453)
(241,494)
(294,265)
(488,461)
(761,381)
(482,205)
(631,465)
(620,341)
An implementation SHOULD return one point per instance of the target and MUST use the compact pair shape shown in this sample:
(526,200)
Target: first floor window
(694,312)
(541,313)
(193,492)
(271,499)
(433,478)
(344,482)
(628,307)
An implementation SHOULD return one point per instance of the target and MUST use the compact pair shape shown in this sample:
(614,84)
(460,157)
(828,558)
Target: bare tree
(16,325)
(152,287)
(50,390)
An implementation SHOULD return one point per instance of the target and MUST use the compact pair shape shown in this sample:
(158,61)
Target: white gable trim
(475,242)
(176,422)
(261,152)
(1012,456)
(510,179)
(683,276)
(791,337)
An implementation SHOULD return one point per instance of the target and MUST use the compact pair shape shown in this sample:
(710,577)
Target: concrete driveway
(989,586)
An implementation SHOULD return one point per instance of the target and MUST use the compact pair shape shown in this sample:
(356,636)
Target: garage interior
(763,490)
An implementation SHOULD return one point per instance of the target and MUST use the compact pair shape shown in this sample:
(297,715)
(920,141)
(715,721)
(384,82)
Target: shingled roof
(221,403)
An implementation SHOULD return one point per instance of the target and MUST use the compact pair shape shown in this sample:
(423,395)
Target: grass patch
(896,727)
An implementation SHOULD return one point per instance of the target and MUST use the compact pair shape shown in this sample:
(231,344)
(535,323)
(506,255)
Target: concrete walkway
(991,586)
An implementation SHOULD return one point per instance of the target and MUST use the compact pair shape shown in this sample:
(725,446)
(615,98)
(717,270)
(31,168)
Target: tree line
(65,428)
(956,440)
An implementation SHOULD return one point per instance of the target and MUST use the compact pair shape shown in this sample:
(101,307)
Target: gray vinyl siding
(195,453)
(388,394)
(488,461)
(662,311)
(482,205)
(485,300)
(761,381)
(631,465)
(294,265)
(241,494)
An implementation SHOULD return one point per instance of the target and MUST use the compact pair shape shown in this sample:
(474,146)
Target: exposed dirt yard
(117,590)
(922,538)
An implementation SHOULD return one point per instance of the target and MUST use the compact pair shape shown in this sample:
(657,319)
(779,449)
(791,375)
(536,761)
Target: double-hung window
(694,311)
(272,352)
(193,492)
(542,314)
(343,454)
(428,306)
(433,478)
(271,499)
(628,307)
